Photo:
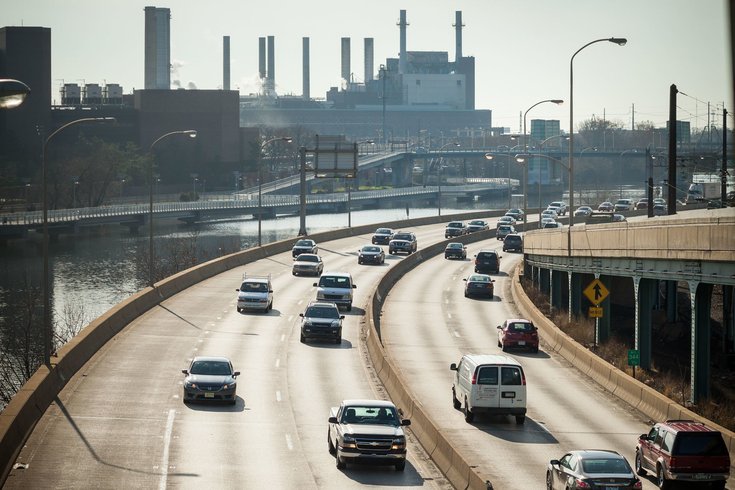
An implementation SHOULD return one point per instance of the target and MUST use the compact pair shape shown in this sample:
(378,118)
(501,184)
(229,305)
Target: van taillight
(474,378)
(523,378)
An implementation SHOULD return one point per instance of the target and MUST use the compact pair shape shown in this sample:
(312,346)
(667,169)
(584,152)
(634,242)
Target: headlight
(398,443)
(229,385)
(348,441)
(335,323)
(189,384)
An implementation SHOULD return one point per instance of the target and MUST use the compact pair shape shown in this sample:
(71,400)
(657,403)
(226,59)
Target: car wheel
(341,464)
(718,485)
(499,344)
(239,310)
(639,464)
(468,415)
(338,340)
(661,480)
(332,449)
(234,401)
(303,339)
(294,273)
(455,403)
(401,465)
(534,350)
(520,419)
(505,348)
(466,295)
(349,307)
(359,262)
(549,481)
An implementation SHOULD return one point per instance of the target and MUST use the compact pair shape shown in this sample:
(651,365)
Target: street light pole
(47,330)
(286,139)
(192,134)
(620,42)
(439,177)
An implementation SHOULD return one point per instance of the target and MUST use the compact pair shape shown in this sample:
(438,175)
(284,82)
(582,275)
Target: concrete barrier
(26,408)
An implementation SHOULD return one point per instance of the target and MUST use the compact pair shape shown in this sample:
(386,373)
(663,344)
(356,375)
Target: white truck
(706,187)
(367,431)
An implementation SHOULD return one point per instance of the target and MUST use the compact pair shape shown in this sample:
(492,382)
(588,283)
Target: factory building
(157,48)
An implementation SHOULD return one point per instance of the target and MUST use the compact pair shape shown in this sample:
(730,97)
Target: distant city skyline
(522,50)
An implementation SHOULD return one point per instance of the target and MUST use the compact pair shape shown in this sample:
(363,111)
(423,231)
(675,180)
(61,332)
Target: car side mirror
(236,374)
(643,437)
(499,327)
(453,367)
(185,371)
(333,420)
(315,284)
(341,317)
(354,286)
(492,280)
(406,422)
(554,462)
(237,290)
(301,315)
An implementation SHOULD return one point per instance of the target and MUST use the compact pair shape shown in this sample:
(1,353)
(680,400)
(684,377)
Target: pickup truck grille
(374,443)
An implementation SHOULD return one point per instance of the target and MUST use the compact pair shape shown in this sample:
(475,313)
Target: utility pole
(671,205)
(723,169)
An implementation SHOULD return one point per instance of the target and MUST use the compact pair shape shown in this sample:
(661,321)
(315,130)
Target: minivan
(489,383)
(335,287)
(487,262)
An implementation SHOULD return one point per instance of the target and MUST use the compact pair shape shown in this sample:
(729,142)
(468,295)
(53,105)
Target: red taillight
(582,484)
(638,484)
(474,378)
(523,378)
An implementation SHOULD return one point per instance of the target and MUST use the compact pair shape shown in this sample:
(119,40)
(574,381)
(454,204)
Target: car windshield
(370,249)
(334,282)
(520,327)
(254,287)
(477,223)
(402,237)
(370,415)
(308,258)
(478,278)
(383,231)
(211,368)
(304,243)
(322,312)
(605,465)
(454,245)
(454,225)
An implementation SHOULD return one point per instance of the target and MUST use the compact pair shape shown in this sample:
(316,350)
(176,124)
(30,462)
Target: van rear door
(512,387)
(486,394)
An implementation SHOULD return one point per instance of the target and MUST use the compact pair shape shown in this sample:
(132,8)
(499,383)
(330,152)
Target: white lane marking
(278,396)
(449,315)
(278,362)
(283,337)
(289,443)
(166,445)
(456,334)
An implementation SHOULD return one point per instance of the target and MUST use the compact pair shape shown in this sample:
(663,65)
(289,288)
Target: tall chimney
(226,63)
(458,35)
(271,80)
(402,54)
(261,58)
(346,59)
(305,91)
(368,59)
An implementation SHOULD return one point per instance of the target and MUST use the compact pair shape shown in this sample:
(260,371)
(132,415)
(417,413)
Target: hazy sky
(522,48)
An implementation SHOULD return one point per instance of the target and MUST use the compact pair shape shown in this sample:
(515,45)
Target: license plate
(521,342)
(702,476)
(209,395)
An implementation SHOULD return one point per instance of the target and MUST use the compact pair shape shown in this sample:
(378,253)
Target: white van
(335,287)
(489,383)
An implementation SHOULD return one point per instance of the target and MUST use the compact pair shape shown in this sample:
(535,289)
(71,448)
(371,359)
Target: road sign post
(634,359)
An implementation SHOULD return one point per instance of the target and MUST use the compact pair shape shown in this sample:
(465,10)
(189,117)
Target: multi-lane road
(120,423)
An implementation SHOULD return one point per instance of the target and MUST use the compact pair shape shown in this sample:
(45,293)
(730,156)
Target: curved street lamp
(47,330)
(525,149)
(524,159)
(192,134)
(439,176)
(286,139)
(620,41)
(12,93)
(491,156)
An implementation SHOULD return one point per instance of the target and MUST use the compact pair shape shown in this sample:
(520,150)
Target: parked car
(596,468)
(514,242)
(479,285)
(321,320)
(255,293)
(382,236)
(517,332)
(606,207)
(367,431)
(210,379)
(487,262)
(336,287)
(477,225)
(504,230)
(455,250)
(623,205)
(683,451)
(561,205)
(310,264)
(304,246)
(516,213)
(403,241)
(455,229)
(370,254)
(583,211)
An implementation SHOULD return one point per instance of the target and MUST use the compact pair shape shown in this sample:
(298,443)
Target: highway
(120,422)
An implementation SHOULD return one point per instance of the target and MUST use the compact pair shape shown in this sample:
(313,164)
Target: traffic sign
(596,292)
(634,357)
(595,312)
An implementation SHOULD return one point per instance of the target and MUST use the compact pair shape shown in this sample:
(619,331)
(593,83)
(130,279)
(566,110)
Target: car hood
(373,430)
(208,379)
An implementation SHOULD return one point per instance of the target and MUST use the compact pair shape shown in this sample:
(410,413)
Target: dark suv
(321,320)
(513,242)
(487,262)
(403,241)
(683,451)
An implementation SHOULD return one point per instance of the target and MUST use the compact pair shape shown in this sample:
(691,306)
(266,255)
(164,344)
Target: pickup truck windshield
(370,415)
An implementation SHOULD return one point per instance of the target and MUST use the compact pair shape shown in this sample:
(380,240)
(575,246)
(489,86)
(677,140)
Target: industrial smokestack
(271,79)
(402,54)
(458,35)
(226,63)
(261,58)
(305,78)
(346,59)
(368,59)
